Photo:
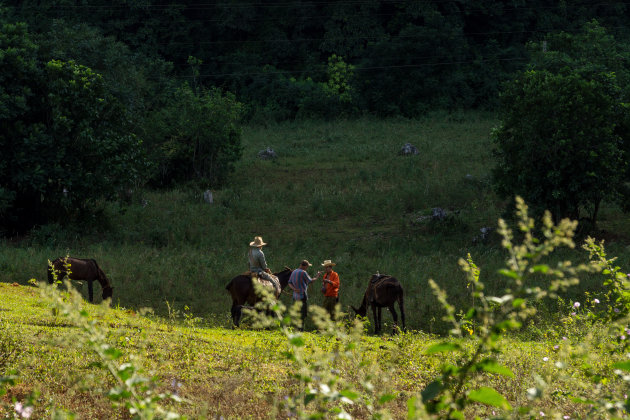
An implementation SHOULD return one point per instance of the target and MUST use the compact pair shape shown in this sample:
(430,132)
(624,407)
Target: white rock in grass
(438,213)
(207,197)
(268,153)
(409,149)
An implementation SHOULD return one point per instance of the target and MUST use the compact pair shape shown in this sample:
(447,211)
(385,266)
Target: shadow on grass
(51,324)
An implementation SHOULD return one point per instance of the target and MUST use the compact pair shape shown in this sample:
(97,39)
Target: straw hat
(328,263)
(305,263)
(258,241)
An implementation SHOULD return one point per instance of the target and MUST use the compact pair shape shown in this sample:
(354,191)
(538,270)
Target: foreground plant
(321,372)
(491,317)
(133,390)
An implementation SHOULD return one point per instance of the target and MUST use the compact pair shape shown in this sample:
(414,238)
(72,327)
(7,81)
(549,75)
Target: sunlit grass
(240,373)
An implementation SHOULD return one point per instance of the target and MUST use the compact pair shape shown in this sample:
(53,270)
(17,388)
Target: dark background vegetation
(408,56)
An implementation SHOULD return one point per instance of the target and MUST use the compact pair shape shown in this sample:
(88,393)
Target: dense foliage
(63,136)
(409,56)
(196,136)
(563,139)
(76,108)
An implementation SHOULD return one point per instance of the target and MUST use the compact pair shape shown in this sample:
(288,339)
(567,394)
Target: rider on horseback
(258,263)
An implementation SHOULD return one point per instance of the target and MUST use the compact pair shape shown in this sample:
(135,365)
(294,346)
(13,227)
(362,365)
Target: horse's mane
(102,278)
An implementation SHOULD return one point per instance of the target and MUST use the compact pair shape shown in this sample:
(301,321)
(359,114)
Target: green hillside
(337,191)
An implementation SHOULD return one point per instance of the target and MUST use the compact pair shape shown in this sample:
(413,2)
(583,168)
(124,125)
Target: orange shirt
(332,290)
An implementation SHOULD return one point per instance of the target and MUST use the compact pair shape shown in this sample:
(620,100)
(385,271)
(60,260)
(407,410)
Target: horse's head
(283,276)
(108,292)
(362,311)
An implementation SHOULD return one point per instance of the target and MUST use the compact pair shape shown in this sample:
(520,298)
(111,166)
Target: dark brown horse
(242,290)
(80,269)
(382,291)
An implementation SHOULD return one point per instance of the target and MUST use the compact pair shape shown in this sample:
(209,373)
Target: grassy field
(338,190)
(245,374)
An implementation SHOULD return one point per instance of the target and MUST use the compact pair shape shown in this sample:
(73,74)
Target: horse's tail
(228,286)
(401,304)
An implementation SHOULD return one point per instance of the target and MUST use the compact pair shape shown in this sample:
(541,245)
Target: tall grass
(338,190)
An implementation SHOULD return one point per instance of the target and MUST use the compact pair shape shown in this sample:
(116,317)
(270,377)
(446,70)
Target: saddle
(275,282)
(375,281)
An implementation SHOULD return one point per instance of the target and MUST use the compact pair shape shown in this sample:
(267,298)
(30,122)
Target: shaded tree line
(407,56)
(83,121)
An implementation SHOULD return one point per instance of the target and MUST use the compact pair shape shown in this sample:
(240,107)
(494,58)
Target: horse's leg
(377,322)
(395,316)
(402,311)
(236,313)
(91,290)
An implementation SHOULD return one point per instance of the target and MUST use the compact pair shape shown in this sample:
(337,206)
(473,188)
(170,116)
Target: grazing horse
(382,291)
(81,269)
(242,290)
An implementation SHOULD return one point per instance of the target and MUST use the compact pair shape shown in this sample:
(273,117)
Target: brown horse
(81,269)
(382,291)
(242,290)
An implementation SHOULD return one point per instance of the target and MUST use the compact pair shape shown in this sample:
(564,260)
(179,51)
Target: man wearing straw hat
(258,263)
(330,288)
(299,282)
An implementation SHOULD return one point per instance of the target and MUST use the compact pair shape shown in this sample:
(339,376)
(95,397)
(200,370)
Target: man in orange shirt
(330,287)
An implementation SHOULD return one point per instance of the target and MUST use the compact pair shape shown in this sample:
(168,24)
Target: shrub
(64,142)
(563,139)
(198,137)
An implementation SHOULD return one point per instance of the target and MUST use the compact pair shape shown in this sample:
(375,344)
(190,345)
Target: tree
(198,137)
(63,137)
(563,139)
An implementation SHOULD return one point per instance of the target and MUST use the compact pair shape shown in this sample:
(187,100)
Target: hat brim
(329,265)
(255,244)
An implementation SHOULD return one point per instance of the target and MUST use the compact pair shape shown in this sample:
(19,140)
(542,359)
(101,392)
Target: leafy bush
(563,141)
(198,137)
(64,140)
(276,96)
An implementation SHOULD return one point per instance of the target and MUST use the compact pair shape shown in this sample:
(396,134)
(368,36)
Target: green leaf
(492,366)
(518,302)
(126,371)
(489,396)
(508,273)
(297,341)
(351,395)
(117,394)
(622,365)
(308,398)
(540,269)
(582,400)
(431,391)
(442,347)
(471,313)
(456,414)
(508,324)
(411,408)
(113,353)
(386,398)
